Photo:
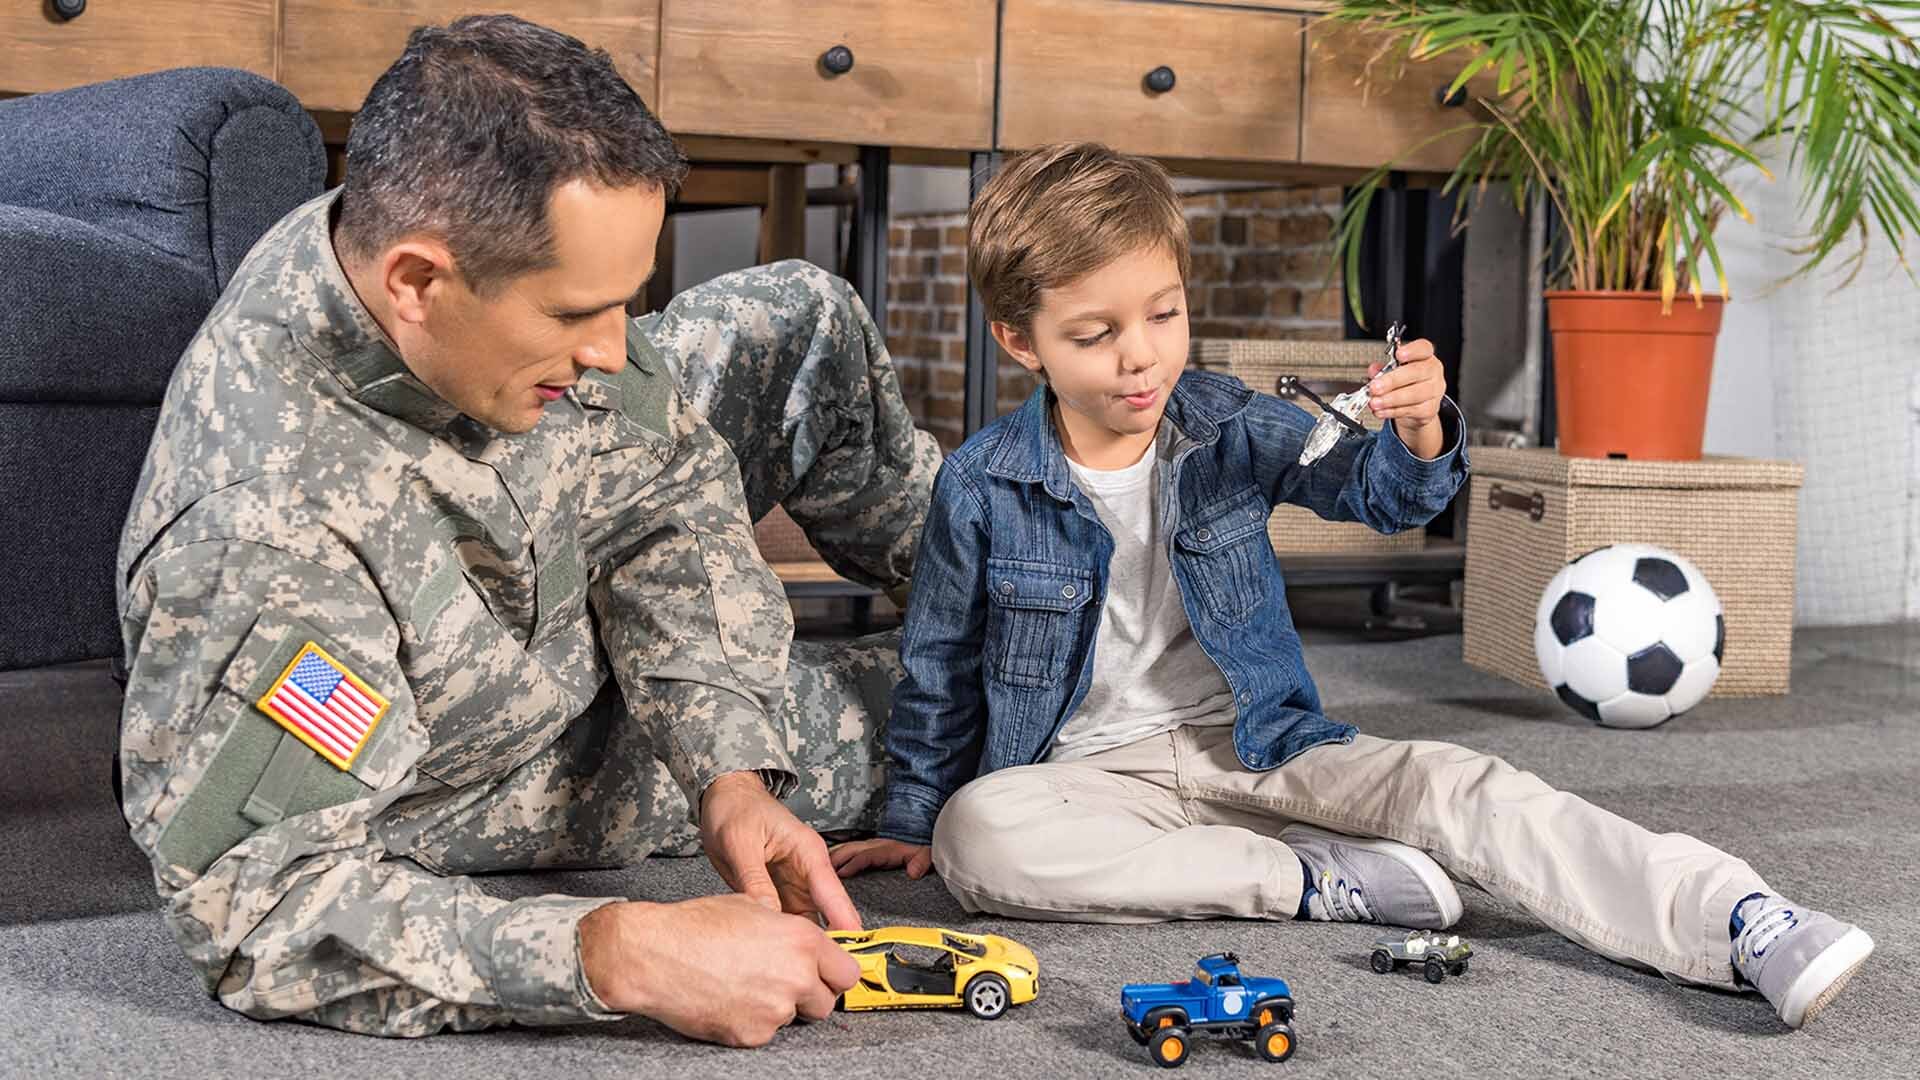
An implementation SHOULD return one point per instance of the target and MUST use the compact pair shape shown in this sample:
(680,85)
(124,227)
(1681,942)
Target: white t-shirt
(1149,673)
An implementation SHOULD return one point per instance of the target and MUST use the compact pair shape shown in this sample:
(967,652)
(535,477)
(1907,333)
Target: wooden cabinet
(334,49)
(1082,69)
(112,39)
(916,72)
(1252,82)
(1351,118)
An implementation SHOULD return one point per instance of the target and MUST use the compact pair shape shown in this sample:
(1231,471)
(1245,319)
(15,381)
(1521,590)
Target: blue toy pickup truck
(1218,1001)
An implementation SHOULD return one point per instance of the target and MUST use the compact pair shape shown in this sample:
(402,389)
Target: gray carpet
(1820,791)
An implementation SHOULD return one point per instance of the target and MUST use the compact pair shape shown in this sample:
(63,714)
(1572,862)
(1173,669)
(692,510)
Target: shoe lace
(1342,902)
(1758,936)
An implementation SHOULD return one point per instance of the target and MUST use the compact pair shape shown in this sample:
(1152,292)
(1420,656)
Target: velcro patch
(324,705)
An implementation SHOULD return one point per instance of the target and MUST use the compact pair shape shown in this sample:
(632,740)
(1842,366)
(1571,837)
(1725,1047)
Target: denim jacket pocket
(1034,614)
(1230,556)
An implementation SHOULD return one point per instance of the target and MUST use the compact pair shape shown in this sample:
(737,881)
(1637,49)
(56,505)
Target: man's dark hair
(467,134)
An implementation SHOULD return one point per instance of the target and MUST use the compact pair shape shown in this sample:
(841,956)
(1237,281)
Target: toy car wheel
(1168,1047)
(1162,1018)
(1382,961)
(1459,968)
(987,996)
(1436,971)
(1270,1012)
(1275,1042)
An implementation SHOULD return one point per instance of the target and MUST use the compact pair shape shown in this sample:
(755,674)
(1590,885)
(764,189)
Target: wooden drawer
(115,38)
(1077,69)
(1350,118)
(333,50)
(922,71)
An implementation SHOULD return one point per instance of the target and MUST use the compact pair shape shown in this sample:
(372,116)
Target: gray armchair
(124,208)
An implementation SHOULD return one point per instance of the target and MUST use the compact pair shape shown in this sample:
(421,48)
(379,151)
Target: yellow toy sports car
(924,967)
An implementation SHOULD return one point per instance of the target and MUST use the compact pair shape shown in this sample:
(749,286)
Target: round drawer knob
(1450,101)
(837,60)
(65,10)
(1160,79)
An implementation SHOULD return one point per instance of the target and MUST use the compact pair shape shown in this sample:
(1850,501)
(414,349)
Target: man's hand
(721,968)
(1409,395)
(859,856)
(762,850)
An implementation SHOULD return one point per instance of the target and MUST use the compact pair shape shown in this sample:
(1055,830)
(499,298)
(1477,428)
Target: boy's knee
(979,824)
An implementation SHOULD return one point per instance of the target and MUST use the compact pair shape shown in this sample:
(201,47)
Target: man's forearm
(381,948)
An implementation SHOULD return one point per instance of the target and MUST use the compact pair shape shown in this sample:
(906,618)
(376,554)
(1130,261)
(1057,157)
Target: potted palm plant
(1632,119)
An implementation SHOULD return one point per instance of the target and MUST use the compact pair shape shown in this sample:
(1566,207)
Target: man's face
(503,358)
(1113,343)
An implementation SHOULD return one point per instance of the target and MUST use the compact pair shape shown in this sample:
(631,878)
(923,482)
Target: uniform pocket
(263,771)
(1035,613)
(1230,556)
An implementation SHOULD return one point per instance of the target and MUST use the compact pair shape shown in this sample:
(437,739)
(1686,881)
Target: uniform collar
(342,334)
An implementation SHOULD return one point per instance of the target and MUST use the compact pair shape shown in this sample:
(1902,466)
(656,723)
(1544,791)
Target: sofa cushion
(90,316)
(144,157)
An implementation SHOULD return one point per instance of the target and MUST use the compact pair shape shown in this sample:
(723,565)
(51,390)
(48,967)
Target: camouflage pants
(786,364)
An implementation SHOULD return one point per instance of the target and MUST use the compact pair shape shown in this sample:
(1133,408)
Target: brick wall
(926,312)
(1260,260)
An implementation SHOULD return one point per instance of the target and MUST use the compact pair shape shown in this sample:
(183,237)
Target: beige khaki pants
(1174,827)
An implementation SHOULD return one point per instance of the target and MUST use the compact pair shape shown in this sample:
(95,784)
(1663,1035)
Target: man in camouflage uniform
(440,564)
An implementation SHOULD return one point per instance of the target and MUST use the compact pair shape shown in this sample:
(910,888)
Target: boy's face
(1111,345)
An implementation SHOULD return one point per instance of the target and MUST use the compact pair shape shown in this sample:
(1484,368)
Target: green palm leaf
(1633,116)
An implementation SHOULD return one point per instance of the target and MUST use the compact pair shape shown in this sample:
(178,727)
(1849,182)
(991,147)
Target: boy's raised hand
(859,856)
(1410,396)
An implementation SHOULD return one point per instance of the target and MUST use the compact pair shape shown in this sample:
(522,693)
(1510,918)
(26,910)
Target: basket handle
(1501,498)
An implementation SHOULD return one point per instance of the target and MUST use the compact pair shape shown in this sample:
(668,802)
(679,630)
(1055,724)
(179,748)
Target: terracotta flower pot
(1629,381)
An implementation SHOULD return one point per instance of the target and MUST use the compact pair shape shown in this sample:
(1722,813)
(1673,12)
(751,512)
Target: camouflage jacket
(307,501)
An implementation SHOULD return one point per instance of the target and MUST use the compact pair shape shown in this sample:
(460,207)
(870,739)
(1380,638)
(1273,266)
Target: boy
(1098,648)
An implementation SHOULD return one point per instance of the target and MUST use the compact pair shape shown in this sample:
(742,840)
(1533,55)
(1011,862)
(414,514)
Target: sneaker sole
(1438,884)
(1825,977)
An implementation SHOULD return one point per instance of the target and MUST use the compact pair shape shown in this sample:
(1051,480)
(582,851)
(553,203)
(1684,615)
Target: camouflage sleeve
(695,623)
(277,883)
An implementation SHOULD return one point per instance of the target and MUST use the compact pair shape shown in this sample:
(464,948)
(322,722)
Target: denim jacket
(1011,575)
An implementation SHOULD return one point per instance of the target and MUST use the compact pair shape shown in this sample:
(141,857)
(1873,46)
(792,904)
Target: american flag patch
(324,705)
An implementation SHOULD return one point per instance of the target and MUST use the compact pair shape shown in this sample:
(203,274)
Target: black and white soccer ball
(1629,635)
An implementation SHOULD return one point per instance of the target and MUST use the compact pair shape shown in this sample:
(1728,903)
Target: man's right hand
(859,856)
(722,969)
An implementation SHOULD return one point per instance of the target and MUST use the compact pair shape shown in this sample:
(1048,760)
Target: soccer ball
(1629,635)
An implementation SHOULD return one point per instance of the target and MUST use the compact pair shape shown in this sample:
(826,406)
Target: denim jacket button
(1246,696)
(1066,591)
(1006,588)
(1203,535)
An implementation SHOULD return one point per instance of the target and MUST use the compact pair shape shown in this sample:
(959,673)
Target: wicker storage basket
(1328,368)
(1532,511)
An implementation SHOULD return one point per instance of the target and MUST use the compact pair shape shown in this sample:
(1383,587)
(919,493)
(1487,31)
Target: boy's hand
(1409,396)
(860,856)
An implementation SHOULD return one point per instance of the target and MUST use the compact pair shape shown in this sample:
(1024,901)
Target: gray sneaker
(1797,958)
(1377,881)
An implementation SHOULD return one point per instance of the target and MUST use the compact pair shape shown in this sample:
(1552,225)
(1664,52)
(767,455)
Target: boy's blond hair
(1060,212)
